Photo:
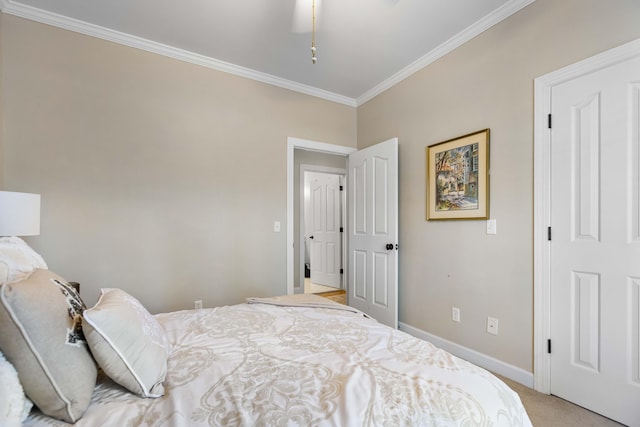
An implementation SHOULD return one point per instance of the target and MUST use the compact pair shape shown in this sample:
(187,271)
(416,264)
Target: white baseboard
(489,363)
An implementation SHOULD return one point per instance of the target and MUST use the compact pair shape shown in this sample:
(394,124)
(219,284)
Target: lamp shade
(19,214)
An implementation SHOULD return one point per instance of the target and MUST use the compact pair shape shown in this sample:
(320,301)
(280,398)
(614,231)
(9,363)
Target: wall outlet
(492,326)
(276,226)
(455,314)
(197,304)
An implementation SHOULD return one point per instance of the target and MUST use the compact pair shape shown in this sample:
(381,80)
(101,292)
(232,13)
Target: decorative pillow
(14,407)
(41,335)
(18,258)
(129,344)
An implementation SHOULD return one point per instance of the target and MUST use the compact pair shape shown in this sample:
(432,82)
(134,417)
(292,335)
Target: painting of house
(457,178)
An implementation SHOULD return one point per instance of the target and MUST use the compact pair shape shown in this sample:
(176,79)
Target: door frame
(308,145)
(542,199)
(343,215)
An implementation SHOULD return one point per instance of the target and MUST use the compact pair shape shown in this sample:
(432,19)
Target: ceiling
(363,46)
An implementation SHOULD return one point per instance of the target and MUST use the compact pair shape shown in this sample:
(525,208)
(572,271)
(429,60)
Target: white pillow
(14,406)
(127,342)
(18,259)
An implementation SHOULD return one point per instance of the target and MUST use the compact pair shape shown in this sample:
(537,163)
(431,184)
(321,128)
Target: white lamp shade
(19,214)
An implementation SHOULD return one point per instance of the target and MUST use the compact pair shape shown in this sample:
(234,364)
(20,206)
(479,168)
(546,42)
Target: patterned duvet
(273,365)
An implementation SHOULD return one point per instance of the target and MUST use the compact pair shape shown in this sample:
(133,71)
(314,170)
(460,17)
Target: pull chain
(314,59)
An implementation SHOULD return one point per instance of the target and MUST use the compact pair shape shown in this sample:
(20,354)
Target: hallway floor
(334,294)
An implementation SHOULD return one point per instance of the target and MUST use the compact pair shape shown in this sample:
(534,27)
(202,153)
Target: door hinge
(549,120)
(342,229)
(549,233)
(342,271)
(549,346)
(341,188)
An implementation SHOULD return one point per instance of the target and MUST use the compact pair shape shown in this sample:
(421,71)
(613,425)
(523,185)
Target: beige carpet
(551,411)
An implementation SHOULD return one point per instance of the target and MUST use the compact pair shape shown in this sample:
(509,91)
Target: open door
(373,231)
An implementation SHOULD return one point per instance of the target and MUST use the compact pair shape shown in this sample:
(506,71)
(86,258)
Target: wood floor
(337,295)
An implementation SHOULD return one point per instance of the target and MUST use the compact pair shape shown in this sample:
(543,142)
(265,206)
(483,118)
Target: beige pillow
(41,335)
(129,344)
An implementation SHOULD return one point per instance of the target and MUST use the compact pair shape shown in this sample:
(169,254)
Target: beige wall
(157,176)
(164,178)
(486,83)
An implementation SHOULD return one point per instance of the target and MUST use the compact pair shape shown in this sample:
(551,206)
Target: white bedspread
(273,365)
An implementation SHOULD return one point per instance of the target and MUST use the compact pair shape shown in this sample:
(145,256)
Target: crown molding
(18,9)
(456,41)
(28,12)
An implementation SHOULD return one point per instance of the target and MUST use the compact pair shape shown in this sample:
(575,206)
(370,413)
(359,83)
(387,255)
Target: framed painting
(458,178)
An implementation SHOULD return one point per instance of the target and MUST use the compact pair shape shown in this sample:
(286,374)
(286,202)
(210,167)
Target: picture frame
(458,178)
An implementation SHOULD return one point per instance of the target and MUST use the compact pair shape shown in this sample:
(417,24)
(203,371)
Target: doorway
(316,157)
(372,226)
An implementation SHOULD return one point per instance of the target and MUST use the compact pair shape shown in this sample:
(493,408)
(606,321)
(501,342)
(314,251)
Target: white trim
(29,12)
(541,246)
(454,42)
(542,198)
(302,144)
(489,363)
(13,7)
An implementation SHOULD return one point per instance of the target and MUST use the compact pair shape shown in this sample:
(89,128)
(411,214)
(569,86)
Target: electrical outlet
(455,314)
(492,326)
(197,304)
(276,226)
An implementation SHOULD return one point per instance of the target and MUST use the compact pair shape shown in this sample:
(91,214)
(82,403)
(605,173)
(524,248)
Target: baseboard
(489,363)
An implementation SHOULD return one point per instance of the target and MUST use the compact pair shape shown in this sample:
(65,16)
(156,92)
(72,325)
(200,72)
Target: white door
(373,231)
(324,229)
(595,241)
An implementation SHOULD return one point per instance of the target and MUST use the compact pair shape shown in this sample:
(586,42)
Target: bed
(283,361)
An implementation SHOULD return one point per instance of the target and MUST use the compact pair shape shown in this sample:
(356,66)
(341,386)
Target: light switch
(492,226)
(455,314)
(276,227)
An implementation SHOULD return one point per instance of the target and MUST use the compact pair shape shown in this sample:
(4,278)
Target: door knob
(311,237)
(389,246)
